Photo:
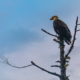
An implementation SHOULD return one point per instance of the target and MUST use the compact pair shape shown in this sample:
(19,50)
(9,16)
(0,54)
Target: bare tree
(64,58)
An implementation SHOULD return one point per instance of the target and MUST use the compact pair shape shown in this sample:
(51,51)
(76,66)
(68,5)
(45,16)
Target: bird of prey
(61,29)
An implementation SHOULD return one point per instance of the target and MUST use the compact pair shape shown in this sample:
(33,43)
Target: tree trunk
(63,70)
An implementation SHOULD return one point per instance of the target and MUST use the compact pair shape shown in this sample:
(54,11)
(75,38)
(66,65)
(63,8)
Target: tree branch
(5,60)
(78,30)
(78,24)
(55,66)
(45,70)
(57,41)
(75,30)
(60,61)
(18,67)
(49,33)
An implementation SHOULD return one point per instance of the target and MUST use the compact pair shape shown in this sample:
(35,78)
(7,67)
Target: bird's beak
(51,18)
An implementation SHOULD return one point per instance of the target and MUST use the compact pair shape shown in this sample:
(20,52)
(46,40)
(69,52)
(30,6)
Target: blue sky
(20,20)
(22,40)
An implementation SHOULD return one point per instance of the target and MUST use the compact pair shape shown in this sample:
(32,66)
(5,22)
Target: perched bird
(61,29)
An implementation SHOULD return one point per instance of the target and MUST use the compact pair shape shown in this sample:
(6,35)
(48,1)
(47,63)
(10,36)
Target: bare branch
(58,61)
(57,41)
(45,70)
(71,47)
(78,30)
(49,33)
(18,67)
(78,24)
(55,66)
(5,60)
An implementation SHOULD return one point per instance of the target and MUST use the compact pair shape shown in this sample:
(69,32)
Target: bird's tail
(67,41)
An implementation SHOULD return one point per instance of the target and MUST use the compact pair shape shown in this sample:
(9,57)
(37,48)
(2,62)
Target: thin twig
(19,67)
(5,60)
(49,33)
(45,70)
(71,47)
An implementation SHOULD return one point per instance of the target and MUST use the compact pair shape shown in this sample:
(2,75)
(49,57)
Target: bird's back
(61,29)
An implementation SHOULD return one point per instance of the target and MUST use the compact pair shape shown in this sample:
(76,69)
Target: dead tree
(64,58)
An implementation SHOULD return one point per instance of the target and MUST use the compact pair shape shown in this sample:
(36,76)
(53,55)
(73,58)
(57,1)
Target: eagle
(61,29)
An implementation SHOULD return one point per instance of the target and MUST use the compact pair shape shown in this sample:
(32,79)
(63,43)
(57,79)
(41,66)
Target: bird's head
(54,17)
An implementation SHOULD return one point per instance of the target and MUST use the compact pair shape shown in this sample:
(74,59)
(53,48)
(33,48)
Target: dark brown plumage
(61,29)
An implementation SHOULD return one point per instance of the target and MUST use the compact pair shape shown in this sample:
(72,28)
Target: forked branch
(5,60)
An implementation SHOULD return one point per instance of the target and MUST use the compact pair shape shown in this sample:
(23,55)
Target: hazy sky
(22,40)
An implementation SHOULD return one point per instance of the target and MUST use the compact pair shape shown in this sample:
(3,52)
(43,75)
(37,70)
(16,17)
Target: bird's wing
(62,26)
